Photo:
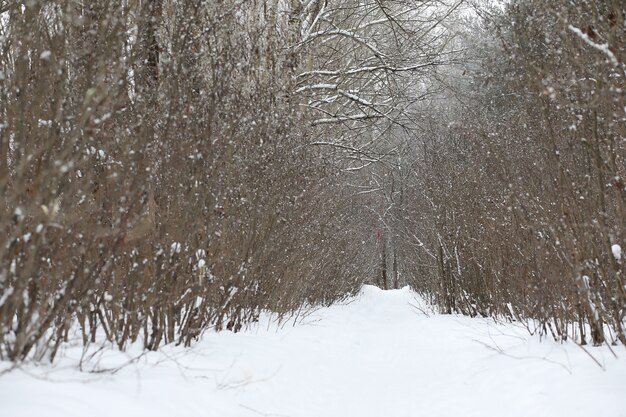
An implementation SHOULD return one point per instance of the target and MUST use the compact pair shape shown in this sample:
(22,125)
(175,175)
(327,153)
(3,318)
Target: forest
(170,167)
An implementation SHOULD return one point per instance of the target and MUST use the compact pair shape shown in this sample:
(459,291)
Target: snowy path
(376,356)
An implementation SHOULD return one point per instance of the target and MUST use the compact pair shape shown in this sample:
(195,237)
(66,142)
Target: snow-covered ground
(376,355)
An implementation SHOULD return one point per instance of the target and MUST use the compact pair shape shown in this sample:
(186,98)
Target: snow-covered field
(376,355)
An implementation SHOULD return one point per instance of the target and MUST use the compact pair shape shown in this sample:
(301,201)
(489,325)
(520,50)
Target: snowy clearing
(376,355)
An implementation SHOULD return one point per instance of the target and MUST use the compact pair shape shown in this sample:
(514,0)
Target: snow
(175,248)
(617,252)
(382,353)
(18,213)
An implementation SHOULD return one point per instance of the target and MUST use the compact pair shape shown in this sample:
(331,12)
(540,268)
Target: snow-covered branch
(602,47)
(345,118)
(343,33)
(374,68)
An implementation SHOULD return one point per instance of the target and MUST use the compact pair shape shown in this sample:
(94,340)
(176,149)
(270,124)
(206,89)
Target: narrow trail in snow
(375,355)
